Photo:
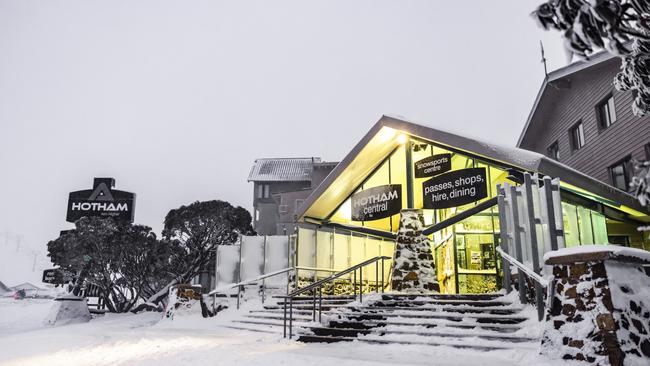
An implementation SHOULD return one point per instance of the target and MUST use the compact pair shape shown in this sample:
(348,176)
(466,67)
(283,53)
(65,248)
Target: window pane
(618,177)
(612,110)
(581,135)
(571,235)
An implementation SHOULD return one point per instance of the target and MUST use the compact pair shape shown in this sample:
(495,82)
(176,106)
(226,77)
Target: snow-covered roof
(558,74)
(377,144)
(25,286)
(3,287)
(282,170)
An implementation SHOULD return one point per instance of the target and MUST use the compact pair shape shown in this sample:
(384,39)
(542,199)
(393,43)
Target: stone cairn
(413,266)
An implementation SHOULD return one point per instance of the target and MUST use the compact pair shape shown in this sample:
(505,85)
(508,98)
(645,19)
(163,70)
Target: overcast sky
(175,99)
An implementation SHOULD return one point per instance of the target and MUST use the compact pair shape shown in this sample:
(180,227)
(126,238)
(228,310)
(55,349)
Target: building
(280,185)
(353,214)
(581,120)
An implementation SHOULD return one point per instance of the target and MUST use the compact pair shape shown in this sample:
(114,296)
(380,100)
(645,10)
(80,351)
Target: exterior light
(402,138)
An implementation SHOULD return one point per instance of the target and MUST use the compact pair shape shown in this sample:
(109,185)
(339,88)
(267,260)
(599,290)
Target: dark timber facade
(581,120)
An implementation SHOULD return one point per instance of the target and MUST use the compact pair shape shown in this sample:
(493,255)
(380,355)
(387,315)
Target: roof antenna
(541,46)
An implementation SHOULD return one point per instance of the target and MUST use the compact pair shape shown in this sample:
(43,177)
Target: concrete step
(464,297)
(376,314)
(382,331)
(448,302)
(462,309)
(501,328)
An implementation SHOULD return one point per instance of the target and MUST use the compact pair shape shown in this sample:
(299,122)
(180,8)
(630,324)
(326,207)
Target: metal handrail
(319,285)
(529,272)
(239,285)
(543,283)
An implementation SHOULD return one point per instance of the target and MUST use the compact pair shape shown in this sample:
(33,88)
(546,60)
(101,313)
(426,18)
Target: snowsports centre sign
(102,201)
(455,188)
(433,165)
(377,202)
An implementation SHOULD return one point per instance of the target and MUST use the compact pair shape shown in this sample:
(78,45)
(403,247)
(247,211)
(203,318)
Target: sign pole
(409,174)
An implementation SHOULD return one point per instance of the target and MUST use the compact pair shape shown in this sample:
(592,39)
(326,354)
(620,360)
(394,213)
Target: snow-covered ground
(127,339)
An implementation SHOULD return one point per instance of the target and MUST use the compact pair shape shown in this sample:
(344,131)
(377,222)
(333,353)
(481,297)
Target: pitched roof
(558,74)
(379,142)
(25,286)
(282,170)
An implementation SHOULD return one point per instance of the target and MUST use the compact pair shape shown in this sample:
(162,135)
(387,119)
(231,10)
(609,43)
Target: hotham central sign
(102,201)
(377,202)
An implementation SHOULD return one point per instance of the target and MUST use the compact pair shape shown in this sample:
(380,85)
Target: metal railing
(251,281)
(318,287)
(542,283)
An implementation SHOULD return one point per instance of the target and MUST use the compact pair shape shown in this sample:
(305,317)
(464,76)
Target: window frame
(575,138)
(606,112)
(554,147)
(625,164)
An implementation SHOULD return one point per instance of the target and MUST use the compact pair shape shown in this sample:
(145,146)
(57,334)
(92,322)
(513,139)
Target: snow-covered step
(455,309)
(501,328)
(481,345)
(458,317)
(485,322)
(422,332)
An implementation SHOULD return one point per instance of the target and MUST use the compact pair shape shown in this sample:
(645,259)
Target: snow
(143,339)
(616,250)
(21,263)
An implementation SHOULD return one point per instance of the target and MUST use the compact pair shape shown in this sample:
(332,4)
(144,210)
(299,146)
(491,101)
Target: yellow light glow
(402,138)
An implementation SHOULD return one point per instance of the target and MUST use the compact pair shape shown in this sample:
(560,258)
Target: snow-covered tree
(194,232)
(125,261)
(622,27)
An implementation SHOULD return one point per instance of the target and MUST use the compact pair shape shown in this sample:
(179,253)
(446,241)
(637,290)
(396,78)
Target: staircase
(269,318)
(483,322)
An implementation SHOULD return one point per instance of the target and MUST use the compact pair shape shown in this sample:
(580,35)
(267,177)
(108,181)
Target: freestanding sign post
(102,201)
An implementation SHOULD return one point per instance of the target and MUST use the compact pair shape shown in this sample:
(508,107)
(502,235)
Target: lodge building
(581,120)
(354,213)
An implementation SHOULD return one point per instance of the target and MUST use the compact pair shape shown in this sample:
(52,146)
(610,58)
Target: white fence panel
(227,265)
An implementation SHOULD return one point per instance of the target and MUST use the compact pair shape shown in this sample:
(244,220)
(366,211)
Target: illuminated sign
(377,202)
(455,188)
(102,200)
(433,165)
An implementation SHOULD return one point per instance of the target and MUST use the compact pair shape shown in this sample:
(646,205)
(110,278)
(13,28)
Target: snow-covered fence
(530,220)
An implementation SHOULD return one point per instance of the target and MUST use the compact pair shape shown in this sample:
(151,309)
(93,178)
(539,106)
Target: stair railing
(541,281)
(318,286)
(251,281)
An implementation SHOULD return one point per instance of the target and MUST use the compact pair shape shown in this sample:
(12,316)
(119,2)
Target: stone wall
(599,310)
(413,266)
